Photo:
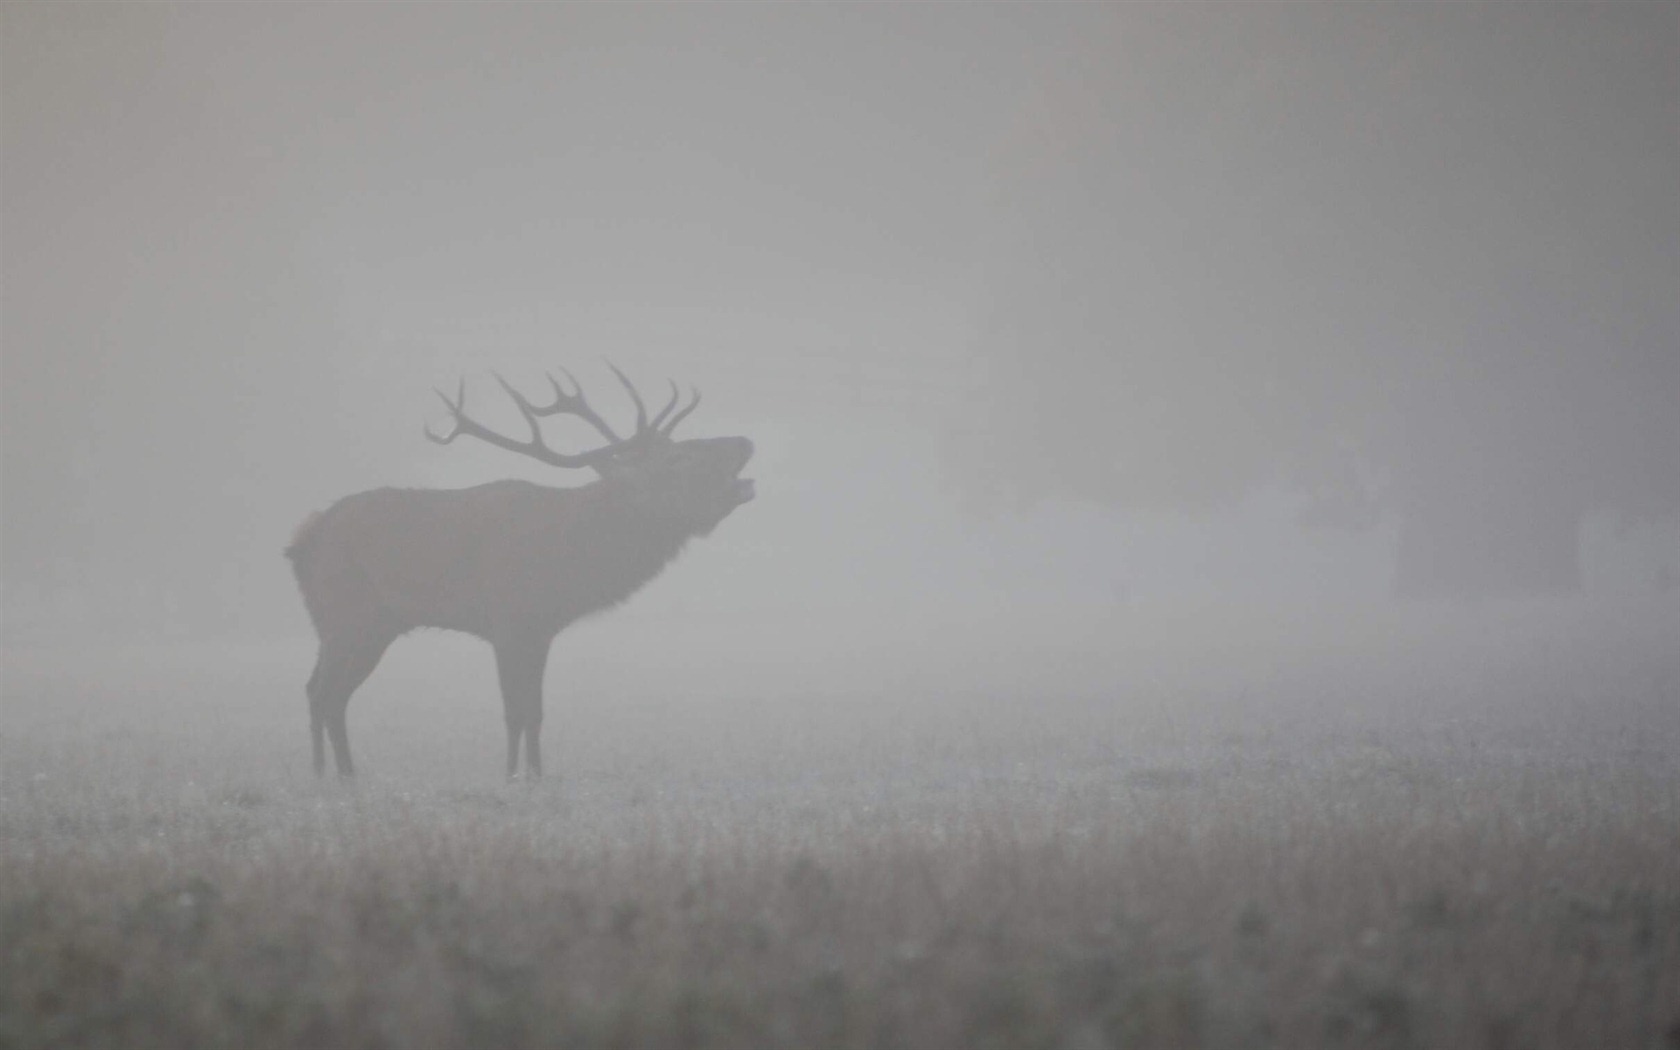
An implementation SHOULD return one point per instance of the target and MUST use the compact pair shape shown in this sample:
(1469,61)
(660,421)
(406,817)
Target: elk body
(511,562)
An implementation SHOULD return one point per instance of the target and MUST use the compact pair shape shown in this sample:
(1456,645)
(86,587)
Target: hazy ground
(1131,827)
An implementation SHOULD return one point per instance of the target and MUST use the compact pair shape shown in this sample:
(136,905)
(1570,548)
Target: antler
(533,447)
(573,404)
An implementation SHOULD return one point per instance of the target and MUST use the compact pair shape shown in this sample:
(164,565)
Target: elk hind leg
(340,669)
(317,723)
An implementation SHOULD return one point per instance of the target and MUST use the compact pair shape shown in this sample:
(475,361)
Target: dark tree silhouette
(1411,260)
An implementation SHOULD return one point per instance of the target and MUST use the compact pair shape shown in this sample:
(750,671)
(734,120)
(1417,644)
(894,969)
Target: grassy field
(1176,831)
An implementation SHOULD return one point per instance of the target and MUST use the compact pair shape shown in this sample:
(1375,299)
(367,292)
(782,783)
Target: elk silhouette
(510,561)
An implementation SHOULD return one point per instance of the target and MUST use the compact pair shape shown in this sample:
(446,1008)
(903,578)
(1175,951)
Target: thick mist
(1213,578)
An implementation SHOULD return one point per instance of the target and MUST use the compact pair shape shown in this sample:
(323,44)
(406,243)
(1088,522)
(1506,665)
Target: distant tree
(1416,261)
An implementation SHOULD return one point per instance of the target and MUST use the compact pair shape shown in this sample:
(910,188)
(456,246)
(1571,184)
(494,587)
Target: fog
(1145,398)
(960,273)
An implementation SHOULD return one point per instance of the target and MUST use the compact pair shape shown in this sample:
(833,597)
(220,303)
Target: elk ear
(614,462)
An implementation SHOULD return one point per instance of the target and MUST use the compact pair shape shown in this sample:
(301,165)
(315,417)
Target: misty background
(1034,314)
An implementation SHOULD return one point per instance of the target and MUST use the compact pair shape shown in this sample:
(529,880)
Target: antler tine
(454,413)
(526,409)
(641,409)
(660,418)
(680,416)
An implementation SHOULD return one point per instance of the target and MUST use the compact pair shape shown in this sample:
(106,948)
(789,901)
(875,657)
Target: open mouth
(743,489)
(734,453)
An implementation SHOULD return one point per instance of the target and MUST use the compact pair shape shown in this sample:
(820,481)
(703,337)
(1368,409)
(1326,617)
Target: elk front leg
(317,720)
(533,734)
(520,666)
(514,728)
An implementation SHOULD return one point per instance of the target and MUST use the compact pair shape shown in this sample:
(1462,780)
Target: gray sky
(243,242)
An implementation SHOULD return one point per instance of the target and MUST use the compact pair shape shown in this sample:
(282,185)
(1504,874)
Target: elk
(509,561)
